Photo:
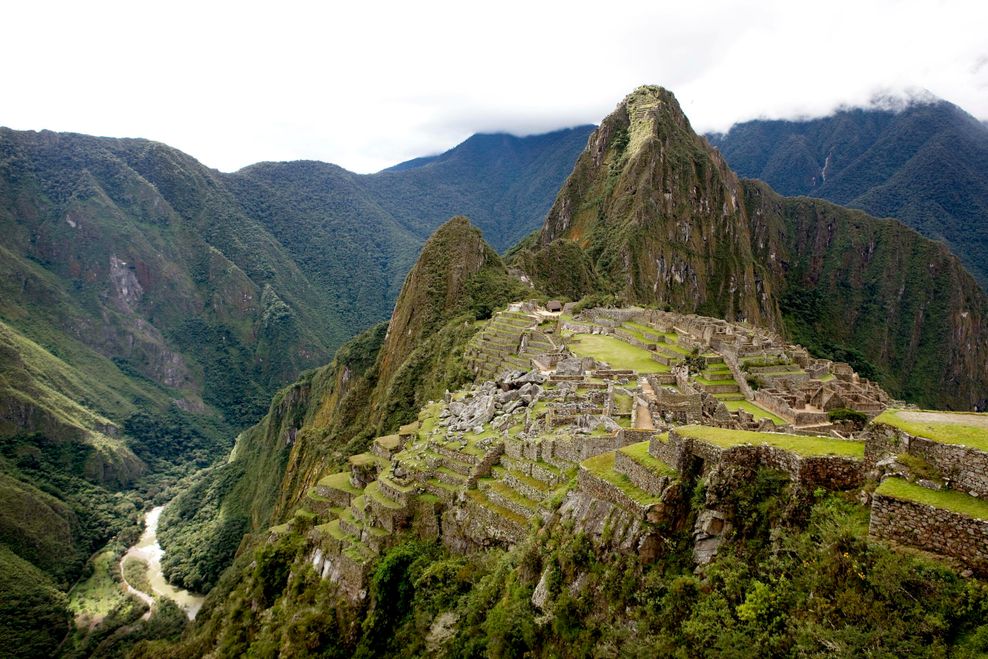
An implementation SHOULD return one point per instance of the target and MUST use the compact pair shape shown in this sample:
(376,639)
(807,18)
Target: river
(148,550)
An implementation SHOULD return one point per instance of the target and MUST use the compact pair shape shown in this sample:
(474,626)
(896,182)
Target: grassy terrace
(639,453)
(616,353)
(754,410)
(951,500)
(798,444)
(968,429)
(602,466)
(725,378)
(339,481)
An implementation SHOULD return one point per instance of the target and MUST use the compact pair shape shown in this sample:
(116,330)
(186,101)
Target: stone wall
(931,529)
(809,472)
(965,468)
(604,490)
(641,476)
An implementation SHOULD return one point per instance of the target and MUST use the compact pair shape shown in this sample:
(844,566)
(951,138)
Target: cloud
(368,85)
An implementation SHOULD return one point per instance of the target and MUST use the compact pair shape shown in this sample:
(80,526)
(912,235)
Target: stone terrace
(602,419)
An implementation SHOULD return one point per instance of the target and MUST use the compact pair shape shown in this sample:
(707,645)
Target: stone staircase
(497,347)
(716,379)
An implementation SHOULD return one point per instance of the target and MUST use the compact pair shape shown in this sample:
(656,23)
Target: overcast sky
(369,84)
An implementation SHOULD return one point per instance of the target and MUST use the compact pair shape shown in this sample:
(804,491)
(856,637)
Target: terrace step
(645,471)
(529,487)
(510,525)
(503,495)
(598,475)
(337,488)
(386,446)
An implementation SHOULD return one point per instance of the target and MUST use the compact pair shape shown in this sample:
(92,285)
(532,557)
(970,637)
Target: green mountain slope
(925,165)
(377,381)
(504,184)
(663,220)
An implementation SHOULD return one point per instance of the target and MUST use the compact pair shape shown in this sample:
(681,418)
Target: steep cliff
(661,215)
(664,221)
(376,382)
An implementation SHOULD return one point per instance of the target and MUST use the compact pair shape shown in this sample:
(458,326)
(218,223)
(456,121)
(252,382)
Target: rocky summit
(685,417)
(652,214)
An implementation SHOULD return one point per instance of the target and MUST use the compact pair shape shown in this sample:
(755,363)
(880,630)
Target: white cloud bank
(368,84)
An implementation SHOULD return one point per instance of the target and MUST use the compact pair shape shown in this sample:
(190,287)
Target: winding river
(148,550)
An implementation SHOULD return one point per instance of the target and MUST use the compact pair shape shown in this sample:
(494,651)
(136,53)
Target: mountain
(150,307)
(502,519)
(377,381)
(925,164)
(504,184)
(659,218)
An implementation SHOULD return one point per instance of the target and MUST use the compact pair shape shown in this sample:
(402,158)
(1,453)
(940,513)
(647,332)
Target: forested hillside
(925,164)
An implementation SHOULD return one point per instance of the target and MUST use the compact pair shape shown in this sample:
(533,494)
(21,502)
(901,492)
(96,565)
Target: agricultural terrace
(952,500)
(615,352)
(798,444)
(965,428)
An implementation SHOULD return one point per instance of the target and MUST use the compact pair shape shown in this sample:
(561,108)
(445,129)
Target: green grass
(753,409)
(826,377)
(801,445)
(100,593)
(500,510)
(616,353)
(373,491)
(951,500)
(714,383)
(639,453)
(366,459)
(623,403)
(339,481)
(602,466)
(962,429)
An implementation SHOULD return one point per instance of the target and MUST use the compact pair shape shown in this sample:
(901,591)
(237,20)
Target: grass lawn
(616,353)
(729,379)
(799,444)
(100,593)
(754,410)
(968,429)
(602,466)
(639,453)
(951,500)
(622,403)
(339,481)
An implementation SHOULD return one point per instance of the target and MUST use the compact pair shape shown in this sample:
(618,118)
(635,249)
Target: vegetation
(135,572)
(777,589)
(33,613)
(859,419)
(616,353)
(951,500)
(800,444)
(956,428)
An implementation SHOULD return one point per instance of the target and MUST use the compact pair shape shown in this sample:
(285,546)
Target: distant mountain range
(150,306)
(653,215)
(925,164)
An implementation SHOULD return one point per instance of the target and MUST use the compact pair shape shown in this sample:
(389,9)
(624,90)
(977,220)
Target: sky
(367,85)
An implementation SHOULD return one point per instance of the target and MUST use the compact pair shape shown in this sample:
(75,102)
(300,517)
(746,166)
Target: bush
(859,419)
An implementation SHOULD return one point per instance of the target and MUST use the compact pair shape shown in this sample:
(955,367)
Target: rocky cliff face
(664,221)
(377,381)
(661,216)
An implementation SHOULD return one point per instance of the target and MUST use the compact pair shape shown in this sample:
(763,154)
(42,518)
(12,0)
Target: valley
(671,417)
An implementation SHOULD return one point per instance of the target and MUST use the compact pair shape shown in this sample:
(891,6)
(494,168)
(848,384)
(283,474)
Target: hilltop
(653,214)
